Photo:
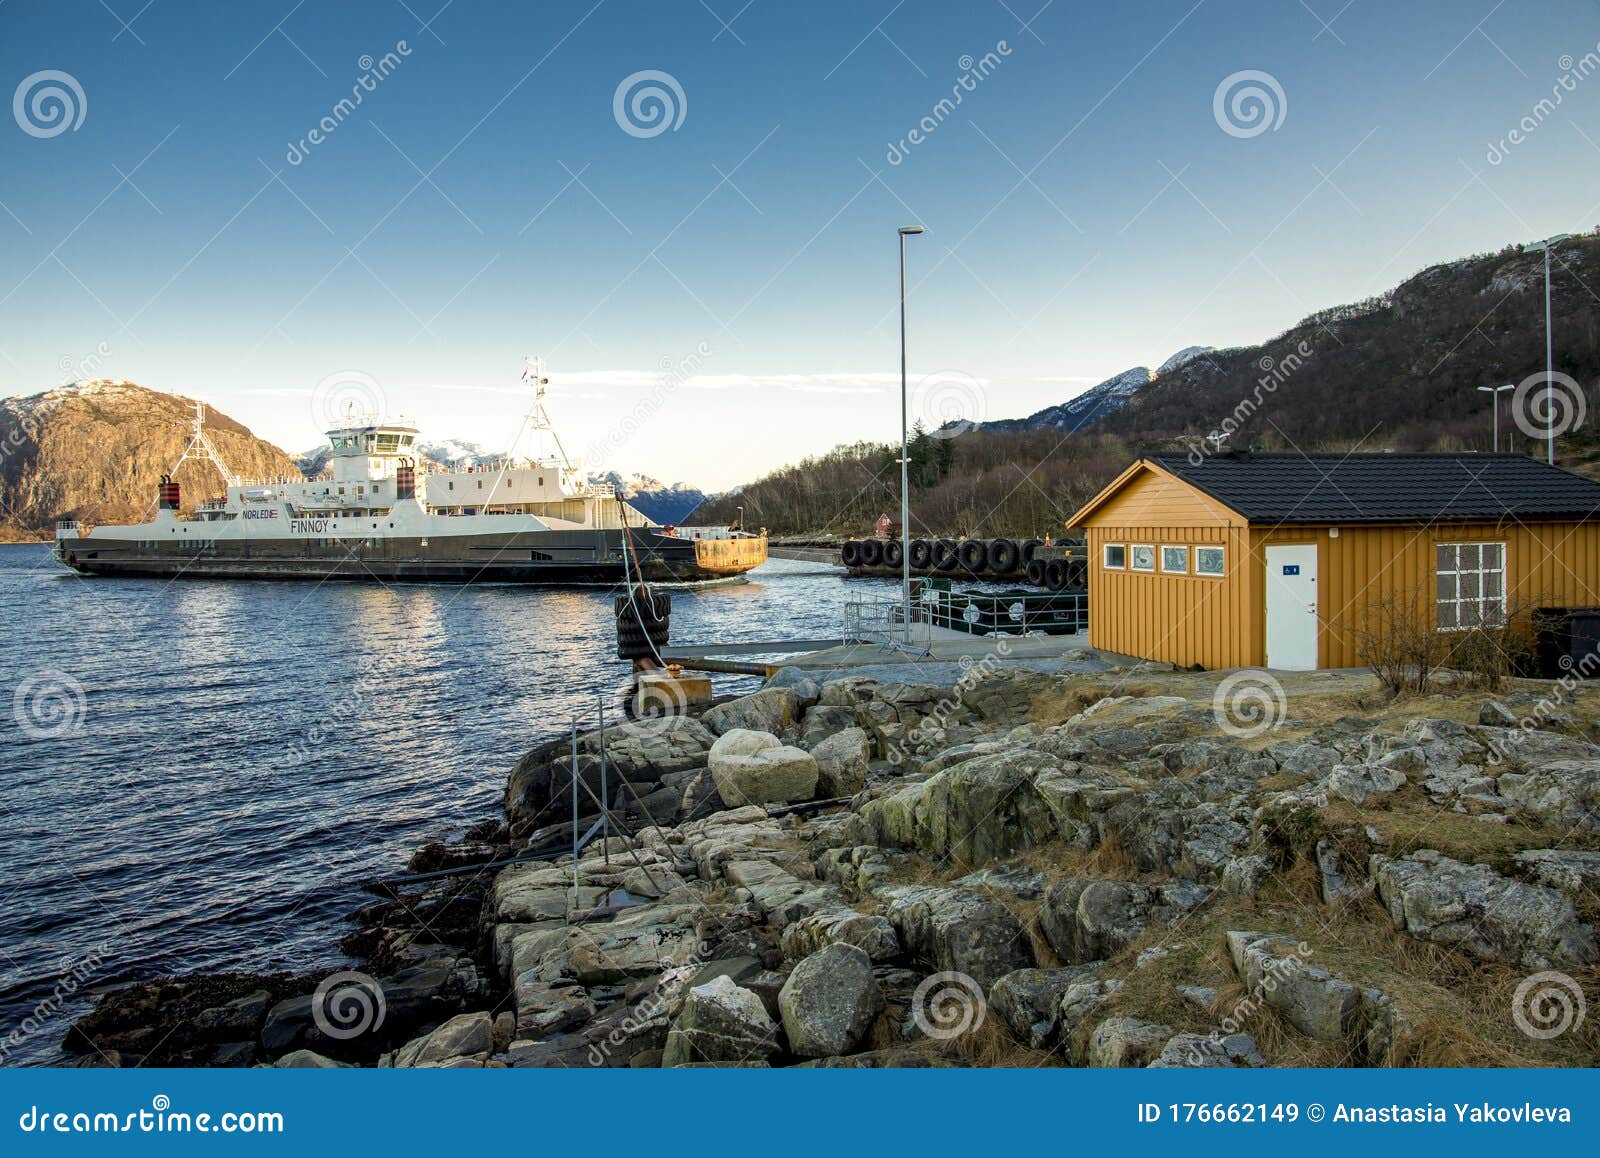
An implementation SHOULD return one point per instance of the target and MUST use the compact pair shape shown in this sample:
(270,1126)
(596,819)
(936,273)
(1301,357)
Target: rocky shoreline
(1020,869)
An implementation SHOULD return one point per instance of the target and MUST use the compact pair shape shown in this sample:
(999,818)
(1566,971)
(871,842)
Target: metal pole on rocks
(574,813)
(605,794)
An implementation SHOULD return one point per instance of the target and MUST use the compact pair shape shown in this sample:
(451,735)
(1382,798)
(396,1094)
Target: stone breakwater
(862,873)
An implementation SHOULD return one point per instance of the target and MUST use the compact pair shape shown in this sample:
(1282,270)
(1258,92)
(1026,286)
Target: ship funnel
(405,482)
(167,494)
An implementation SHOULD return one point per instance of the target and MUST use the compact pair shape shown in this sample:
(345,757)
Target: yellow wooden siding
(1182,619)
(1555,564)
(1221,622)
(1155,499)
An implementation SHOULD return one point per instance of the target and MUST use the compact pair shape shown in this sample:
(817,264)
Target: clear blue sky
(1086,210)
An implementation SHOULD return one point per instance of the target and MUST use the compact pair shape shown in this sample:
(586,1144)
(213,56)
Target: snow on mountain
(1187,354)
(1097,402)
(1084,410)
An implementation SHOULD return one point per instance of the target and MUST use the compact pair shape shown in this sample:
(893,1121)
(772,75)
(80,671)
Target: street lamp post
(1549,360)
(1494,391)
(905,454)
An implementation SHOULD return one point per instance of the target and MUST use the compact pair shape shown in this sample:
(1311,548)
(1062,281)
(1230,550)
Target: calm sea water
(194,775)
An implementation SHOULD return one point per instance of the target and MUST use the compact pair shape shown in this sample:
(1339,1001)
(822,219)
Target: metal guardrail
(1018,613)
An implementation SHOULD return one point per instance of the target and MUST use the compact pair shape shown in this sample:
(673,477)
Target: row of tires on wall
(968,557)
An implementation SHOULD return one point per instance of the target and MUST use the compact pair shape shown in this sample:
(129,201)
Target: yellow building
(1277,560)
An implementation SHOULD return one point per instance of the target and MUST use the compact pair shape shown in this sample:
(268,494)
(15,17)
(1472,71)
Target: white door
(1292,607)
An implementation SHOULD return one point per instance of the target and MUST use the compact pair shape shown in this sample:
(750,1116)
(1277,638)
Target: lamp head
(910,230)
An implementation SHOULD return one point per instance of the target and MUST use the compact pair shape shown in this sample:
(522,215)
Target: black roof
(1388,488)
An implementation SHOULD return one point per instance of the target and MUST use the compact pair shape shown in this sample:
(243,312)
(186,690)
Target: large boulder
(1488,915)
(1029,1001)
(974,812)
(1199,1051)
(798,681)
(842,763)
(830,1001)
(1317,1003)
(1564,794)
(721,1022)
(1362,784)
(1090,920)
(1127,1042)
(872,934)
(751,767)
(771,710)
(823,721)
(467,1035)
(959,930)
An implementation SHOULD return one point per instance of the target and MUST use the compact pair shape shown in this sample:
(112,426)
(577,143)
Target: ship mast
(201,448)
(537,419)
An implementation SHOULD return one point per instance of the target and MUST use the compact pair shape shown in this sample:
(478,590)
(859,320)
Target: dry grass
(1066,699)
(1459,1008)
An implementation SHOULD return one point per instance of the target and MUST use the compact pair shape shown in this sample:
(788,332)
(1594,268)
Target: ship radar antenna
(202,449)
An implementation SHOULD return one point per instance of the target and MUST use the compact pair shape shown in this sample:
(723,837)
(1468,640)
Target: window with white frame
(1115,557)
(1209,560)
(1470,585)
(1144,557)
(1175,560)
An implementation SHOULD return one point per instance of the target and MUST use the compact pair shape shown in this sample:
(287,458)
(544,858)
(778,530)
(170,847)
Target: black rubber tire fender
(945,556)
(1004,556)
(921,554)
(1035,572)
(1055,574)
(894,553)
(871,553)
(850,553)
(974,555)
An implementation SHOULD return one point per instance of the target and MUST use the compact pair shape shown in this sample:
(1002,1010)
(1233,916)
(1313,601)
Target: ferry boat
(380,511)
